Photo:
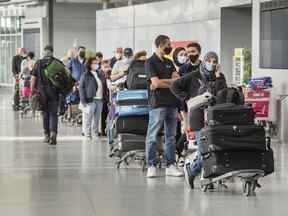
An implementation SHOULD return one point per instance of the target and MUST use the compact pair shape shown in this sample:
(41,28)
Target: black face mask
(82,54)
(167,50)
(194,58)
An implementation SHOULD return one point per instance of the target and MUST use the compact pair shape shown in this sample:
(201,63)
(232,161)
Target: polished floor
(76,178)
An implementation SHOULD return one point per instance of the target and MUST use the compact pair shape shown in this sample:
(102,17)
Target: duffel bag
(60,76)
(230,114)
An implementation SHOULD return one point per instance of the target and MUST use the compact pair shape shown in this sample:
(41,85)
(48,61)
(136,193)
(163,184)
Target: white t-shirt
(99,93)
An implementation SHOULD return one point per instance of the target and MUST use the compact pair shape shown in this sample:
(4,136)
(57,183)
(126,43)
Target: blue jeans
(92,117)
(157,118)
(196,165)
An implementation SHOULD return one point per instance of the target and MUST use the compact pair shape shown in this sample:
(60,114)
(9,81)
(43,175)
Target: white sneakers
(172,170)
(151,172)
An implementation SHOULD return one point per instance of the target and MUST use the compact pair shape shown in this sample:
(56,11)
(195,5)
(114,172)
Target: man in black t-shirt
(161,73)
(49,96)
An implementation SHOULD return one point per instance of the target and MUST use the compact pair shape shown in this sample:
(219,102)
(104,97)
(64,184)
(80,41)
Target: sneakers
(151,172)
(172,170)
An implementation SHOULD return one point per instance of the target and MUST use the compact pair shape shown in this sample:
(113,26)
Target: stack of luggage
(130,120)
(232,142)
(260,83)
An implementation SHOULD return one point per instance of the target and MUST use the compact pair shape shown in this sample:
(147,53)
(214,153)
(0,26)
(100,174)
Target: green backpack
(60,76)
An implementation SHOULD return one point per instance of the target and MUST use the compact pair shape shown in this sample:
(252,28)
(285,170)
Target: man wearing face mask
(207,78)
(193,52)
(121,67)
(118,56)
(161,74)
(77,65)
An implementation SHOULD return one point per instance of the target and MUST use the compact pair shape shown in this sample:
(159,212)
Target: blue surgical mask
(210,67)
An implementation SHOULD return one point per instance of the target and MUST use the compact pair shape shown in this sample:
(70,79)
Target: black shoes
(50,138)
(53,139)
(46,137)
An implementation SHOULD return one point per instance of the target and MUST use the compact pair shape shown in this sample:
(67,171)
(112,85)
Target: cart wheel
(250,188)
(144,165)
(117,165)
(126,162)
(204,188)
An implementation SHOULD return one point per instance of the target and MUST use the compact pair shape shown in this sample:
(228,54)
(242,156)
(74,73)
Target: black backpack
(137,78)
(231,95)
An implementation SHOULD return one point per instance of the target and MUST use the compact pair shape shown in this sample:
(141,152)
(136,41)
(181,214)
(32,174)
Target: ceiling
(108,3)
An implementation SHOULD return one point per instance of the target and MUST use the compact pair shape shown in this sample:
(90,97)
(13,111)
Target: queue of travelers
(171,83)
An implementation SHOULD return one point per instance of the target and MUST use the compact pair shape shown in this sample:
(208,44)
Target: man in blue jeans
(161,73)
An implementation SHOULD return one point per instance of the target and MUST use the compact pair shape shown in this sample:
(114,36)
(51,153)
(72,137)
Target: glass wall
(10,40)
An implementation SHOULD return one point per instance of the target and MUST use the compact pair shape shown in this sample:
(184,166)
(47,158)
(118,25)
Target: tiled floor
(76,178)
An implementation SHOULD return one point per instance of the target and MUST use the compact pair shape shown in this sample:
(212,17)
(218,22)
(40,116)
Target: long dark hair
(89,63)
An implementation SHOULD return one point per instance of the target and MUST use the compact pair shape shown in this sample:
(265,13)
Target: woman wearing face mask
(92,92)
(179,57)
(207,78)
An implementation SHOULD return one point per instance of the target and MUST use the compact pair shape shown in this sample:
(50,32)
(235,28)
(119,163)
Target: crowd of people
(173,79)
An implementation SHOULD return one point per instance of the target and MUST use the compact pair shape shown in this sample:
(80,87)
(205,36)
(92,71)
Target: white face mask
(118,56)
(182,59)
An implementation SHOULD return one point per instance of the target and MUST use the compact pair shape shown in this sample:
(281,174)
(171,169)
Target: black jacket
(188,68)
(89,87)
(16,64)
(188,87)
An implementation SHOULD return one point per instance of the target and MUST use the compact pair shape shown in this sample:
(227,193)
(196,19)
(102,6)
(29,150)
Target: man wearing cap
(121,67)
(118,54)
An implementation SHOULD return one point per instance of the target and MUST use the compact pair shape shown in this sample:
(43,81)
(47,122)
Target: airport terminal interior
(99,120)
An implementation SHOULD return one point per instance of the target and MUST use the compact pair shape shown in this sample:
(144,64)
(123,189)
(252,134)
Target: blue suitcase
(131,97)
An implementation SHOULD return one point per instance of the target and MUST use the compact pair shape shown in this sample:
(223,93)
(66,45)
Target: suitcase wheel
(249,187)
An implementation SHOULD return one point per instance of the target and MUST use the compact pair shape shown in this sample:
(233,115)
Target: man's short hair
(99,55)
(195,45)
(81,47)
(49,48)
(160,40)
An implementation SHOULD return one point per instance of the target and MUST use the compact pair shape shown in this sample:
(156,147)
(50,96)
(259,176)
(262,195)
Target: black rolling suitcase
(219,163)
(132,124)
(229,137)
(230,114)
(131,142)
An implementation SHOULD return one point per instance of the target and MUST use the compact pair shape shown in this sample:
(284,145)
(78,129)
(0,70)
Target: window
(274,38)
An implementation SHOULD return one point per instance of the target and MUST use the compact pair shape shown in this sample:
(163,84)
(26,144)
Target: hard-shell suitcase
(132,124)
(130,142)
(132,97)
(229,137)
(132,110)
(219,163)
(230,114)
